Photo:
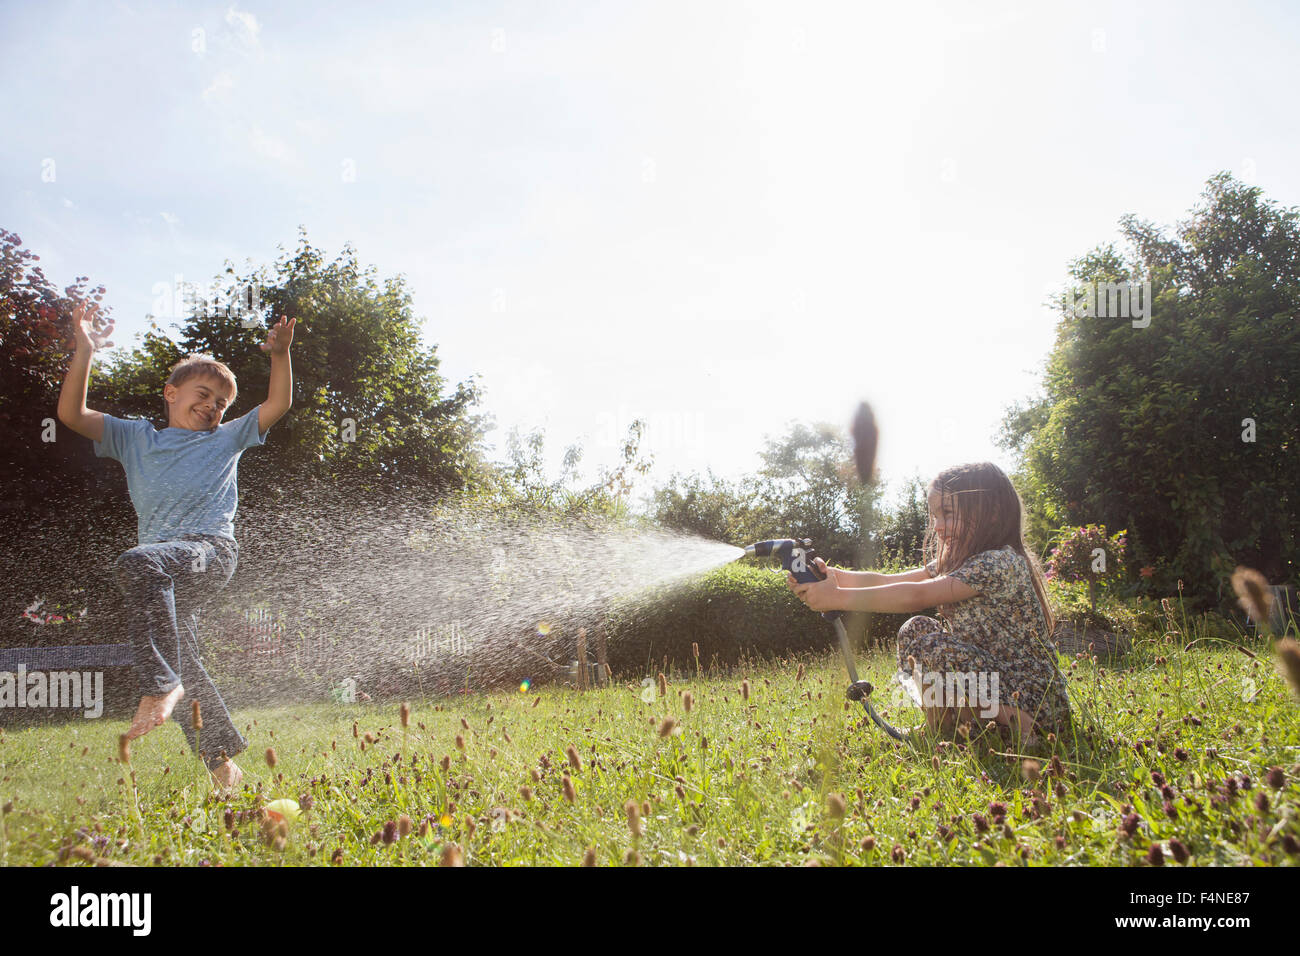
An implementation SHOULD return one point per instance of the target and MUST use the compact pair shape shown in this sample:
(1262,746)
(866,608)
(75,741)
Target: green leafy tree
(1183,431)
(369,401)
(806,488)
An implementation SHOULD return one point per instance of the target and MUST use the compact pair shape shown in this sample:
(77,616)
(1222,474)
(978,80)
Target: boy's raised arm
(91,333)
(279,394)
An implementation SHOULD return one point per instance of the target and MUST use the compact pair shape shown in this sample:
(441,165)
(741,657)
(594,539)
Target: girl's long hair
(989,516)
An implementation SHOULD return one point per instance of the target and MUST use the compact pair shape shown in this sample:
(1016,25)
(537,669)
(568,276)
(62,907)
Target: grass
(790,776)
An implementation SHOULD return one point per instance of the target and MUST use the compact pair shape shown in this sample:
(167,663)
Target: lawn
(1192,760)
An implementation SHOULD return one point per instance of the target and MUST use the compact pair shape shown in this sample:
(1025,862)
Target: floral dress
(999,635)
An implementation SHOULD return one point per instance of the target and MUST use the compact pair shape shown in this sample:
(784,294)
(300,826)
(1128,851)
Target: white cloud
(169,218)
(220,83)
(245,24)
(272,147)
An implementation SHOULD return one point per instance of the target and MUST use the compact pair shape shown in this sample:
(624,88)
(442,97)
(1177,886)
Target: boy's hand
(90,330)
(279,337)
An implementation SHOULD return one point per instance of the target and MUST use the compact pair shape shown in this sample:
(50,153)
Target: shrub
(1086,555)
(737,612)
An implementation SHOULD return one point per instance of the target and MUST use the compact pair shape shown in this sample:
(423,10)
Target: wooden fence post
(602,658)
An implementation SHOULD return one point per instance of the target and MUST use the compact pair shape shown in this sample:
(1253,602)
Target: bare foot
(227,778)
(153,712)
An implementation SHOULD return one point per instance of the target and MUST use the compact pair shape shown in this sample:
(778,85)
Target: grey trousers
(165,586)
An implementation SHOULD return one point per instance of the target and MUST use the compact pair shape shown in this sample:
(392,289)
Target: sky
(717,217)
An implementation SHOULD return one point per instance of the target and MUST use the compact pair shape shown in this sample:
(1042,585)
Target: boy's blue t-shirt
(181,481)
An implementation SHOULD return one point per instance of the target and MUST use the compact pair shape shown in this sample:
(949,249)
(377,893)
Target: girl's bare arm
(873,579)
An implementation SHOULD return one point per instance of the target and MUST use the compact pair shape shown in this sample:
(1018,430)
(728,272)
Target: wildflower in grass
(681,793)
(663,684)
(981,822)
(695,650)
(271,759)
(574,760)
(526,792)
(566,785)
(645,807)
(445,821)
(667,727)
(589,857)
(460,742)
(798,675)
(898,854)
(1129,824)
(196,715)
(1261,802)
(451,856)
(1180,754)
(835,804)
(124,749)
(1157,778)
(1276,778)
(998,811)
(1253,594)
(537,777)
(744,690)
(389,833)
(687,701)
(406,715)
(632,858)
(1170,810)
(1178,849)
(633,817)
(1288,660)
(228,818)
(1290,844)
(868,844)
(1156,856)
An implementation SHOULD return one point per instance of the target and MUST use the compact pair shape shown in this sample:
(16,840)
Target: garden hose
(796,557)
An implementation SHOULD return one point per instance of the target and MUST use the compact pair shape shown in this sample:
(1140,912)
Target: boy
(182,481)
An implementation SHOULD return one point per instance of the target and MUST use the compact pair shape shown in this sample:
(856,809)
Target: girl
(988,589)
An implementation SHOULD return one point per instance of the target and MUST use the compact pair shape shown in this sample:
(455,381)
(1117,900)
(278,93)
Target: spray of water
(408,594)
